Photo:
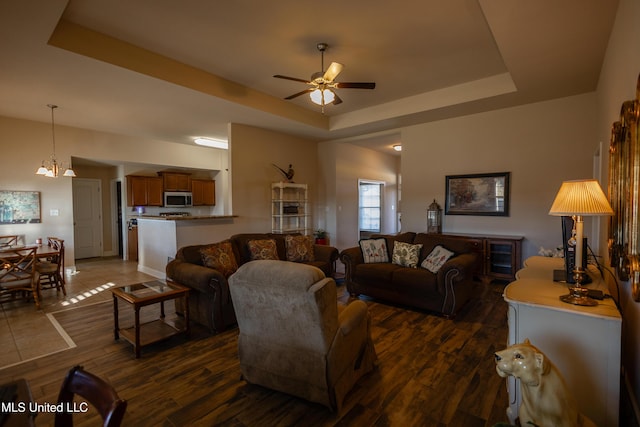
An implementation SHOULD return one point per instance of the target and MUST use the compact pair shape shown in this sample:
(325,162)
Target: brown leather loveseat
(444,291)
(209,300)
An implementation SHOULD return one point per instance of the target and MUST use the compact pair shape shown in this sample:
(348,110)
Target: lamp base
(578,296)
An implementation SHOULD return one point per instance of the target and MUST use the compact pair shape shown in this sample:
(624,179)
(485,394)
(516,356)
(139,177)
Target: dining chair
(18,274)
(96,391)
(51,270)
(8,240)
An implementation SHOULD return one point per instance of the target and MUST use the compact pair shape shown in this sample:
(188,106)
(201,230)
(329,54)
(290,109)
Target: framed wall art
(477,194)
(19,207)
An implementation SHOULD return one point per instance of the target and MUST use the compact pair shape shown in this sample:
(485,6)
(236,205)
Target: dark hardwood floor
(432,372)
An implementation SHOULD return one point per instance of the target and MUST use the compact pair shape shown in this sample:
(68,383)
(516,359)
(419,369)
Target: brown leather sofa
(209,300)
(444,292)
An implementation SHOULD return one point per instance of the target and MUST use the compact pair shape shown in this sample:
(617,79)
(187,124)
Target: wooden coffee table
(148,293)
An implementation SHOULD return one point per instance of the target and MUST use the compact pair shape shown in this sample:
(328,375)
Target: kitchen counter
(186,218)
(160,237)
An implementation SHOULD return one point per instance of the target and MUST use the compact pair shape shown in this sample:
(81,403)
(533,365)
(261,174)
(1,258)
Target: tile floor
(27,333)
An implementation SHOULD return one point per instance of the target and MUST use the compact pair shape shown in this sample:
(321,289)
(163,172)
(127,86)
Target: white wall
(617,84)
(541,145)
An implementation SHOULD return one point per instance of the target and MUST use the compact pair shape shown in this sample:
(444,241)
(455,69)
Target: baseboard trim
(150,271)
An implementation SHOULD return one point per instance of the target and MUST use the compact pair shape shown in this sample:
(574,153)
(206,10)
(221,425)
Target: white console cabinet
(583,342)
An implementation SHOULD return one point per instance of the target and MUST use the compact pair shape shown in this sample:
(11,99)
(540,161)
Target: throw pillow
(219,256)
(406,254)
(374,250)
(299,248)
(436,259)
(263,249)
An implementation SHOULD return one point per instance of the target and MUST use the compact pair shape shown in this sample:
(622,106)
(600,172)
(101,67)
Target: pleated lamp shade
(580,197)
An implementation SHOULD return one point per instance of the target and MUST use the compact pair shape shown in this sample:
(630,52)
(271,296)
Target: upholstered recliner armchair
(294,337)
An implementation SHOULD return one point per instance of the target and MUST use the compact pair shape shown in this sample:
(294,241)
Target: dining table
(42,251)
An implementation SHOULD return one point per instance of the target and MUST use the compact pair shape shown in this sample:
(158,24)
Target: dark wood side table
(148,293)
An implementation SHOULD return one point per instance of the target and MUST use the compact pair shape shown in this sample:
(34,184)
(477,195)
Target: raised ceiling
(172,70)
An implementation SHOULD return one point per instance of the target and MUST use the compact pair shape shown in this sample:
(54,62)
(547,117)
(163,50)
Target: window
(370,206)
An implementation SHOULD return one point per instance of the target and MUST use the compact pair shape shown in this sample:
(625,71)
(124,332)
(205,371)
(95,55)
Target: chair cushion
(436,259)
(374,250)
(262,249)
(406,254)
(219,256)
(299,248)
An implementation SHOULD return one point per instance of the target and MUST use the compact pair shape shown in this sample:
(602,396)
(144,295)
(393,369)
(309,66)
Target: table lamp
(577,199)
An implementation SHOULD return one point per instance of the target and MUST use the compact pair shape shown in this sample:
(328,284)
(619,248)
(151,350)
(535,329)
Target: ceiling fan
(322,84)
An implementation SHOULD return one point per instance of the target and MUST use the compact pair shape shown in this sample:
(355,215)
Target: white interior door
(87,218)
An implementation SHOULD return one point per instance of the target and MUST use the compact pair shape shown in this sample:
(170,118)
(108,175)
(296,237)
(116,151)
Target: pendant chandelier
(51,168)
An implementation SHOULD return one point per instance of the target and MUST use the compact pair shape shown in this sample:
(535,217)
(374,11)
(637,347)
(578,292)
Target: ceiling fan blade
(355,85)
(278,76)
(295,95)
(332,72)
(336,100)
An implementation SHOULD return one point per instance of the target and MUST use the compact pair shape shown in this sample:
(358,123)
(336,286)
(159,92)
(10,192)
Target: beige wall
(343,165)
(541,145)
(618,84)
(32,143)
(253,153)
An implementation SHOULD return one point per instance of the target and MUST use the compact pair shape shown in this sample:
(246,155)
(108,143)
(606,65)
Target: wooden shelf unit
(289,208)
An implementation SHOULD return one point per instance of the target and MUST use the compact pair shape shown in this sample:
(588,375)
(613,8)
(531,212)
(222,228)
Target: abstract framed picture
(477,194)
(19,207)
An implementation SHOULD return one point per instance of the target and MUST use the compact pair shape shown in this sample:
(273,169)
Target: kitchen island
(160,237)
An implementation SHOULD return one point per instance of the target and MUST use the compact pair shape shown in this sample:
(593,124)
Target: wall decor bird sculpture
(287,174)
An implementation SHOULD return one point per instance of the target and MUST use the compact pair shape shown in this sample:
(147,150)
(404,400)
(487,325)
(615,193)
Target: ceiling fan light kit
(322,82)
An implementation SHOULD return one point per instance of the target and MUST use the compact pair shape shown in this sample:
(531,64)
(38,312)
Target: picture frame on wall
(19,207)
(485,194)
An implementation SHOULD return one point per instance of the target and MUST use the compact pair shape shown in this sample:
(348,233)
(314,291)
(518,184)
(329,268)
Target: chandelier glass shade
(51,168)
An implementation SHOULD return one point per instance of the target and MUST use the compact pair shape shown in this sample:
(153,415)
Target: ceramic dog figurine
(546,400)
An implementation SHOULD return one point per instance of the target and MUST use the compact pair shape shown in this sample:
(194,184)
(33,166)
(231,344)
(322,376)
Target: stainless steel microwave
(177,199)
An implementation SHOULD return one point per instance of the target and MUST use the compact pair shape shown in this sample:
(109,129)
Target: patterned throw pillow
(299,248)
(263,249)
(374,250)
(406,254)
(219,256)
(436,259)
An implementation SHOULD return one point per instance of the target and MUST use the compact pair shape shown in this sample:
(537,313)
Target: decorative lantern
(434,218)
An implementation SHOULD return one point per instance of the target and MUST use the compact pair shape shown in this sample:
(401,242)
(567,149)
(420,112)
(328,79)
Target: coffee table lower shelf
(152,332)
(141,295)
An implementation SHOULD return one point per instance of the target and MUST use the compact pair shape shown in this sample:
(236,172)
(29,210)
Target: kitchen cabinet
(144,191)
(176,181)
(203,192)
